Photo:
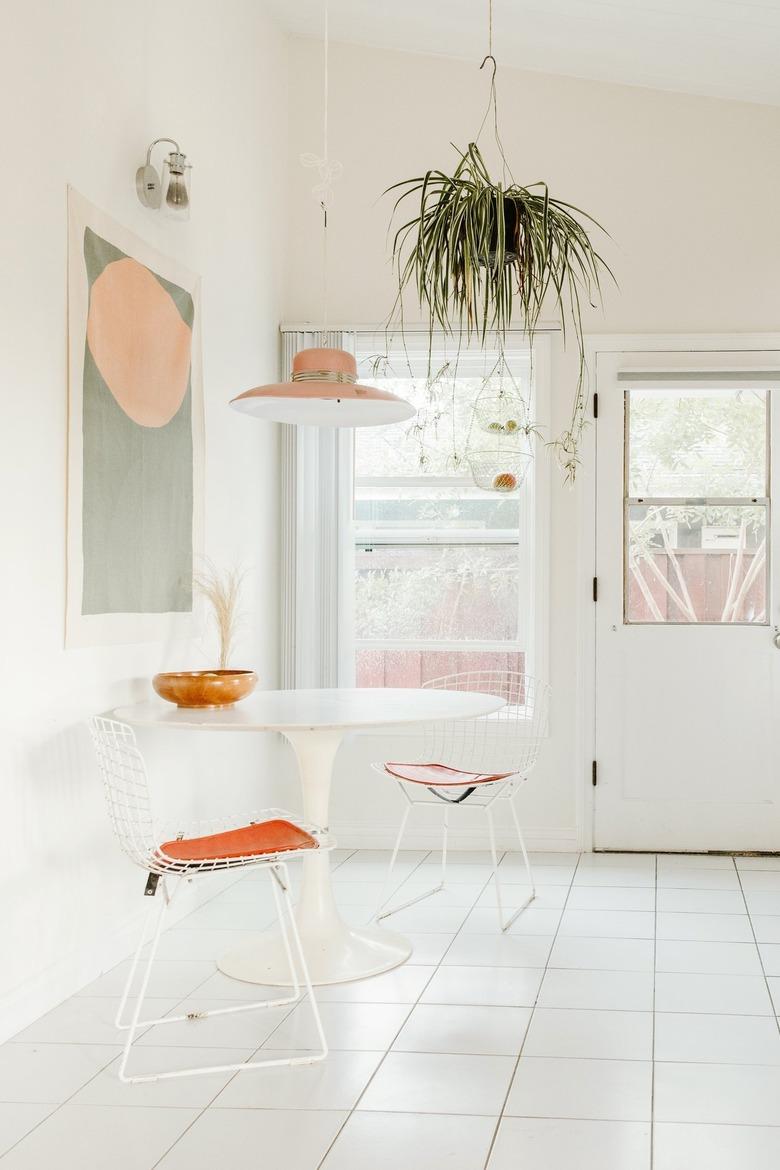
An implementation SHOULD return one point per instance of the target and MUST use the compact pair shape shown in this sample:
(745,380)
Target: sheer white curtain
(316,501)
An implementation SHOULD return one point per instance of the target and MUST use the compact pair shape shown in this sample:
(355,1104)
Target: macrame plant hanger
(499,411)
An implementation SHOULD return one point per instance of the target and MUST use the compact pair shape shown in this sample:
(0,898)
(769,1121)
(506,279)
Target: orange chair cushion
(249,841)
(441,776)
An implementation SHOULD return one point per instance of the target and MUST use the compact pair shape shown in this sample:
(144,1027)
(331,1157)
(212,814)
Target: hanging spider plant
(476,251)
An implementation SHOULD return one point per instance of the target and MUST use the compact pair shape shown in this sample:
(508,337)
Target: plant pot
(205,688)
(510,232)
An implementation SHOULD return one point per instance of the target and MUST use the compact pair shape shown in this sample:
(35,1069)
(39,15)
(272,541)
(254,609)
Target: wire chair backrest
(126,786)
(509,740)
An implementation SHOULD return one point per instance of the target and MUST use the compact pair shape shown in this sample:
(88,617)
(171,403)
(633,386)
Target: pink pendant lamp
(324,392)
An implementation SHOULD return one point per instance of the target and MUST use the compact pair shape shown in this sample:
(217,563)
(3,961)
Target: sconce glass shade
(176,186)
(172,191)
(324,392)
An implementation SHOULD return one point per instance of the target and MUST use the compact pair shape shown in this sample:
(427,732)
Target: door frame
(610,343)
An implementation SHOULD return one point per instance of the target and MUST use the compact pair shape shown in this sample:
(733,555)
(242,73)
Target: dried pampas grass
(222,590)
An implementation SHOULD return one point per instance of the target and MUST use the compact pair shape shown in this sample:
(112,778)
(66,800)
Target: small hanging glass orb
(176,185)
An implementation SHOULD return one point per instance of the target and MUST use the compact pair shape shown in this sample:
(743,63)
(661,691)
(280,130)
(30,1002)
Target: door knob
(776,640)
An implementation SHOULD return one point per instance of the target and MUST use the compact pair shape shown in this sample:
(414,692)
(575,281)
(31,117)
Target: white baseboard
(359,835)
(58,982)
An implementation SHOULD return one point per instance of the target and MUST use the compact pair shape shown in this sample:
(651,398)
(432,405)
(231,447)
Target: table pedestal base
(338,958)
(335,952)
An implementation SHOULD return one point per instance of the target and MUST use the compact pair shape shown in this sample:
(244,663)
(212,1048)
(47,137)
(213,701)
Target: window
(696,502)
(446,577)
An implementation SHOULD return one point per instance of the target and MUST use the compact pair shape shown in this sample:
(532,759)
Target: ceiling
(721,48)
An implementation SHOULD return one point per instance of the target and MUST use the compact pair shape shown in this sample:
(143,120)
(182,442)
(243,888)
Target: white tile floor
(627,1021)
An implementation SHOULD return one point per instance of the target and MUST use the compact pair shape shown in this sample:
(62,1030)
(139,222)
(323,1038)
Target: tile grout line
(500,1117)
(251,1052)
(388,1050)
(57,1107)
(758,949)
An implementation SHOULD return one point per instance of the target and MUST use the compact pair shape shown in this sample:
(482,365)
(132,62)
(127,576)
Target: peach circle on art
(139,341)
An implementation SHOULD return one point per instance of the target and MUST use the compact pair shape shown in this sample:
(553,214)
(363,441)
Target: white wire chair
(263,840)
(476,761)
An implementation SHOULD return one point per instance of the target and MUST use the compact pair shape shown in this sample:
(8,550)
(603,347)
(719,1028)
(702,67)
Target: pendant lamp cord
(323,201)
(327,169)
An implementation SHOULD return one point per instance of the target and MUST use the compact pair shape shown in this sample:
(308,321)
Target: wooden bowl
(205,688)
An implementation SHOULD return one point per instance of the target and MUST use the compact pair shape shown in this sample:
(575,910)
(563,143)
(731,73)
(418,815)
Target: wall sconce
(172,192)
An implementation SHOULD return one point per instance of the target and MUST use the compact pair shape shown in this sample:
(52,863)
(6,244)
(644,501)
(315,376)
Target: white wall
(686,188)
(85,86)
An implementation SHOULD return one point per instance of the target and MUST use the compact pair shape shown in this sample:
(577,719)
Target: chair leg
(288,906)
(150,914)
(444,842)
(385,913)
(505,925)
(528,869)
(278,883)
(135,1022)
(286,923)
(383,897)
(494,856)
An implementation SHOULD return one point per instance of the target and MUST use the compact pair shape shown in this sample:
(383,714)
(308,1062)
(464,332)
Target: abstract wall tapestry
(135,447)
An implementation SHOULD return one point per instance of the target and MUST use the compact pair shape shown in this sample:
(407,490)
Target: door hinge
(595,404)
(595,588)
(594,773)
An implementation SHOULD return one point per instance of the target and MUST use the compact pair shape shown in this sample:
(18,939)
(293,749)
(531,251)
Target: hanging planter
(475,250)
(501,413)
(500,408)
(499,471)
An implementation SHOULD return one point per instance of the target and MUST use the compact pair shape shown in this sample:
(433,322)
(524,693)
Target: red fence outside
(412,668)
(707,575)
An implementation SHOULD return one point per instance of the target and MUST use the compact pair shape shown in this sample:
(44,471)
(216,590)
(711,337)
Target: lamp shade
(324,391)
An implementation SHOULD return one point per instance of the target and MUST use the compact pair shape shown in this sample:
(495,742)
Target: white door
(687,670)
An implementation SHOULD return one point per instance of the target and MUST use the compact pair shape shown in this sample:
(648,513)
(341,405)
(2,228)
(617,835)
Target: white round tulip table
(315,722)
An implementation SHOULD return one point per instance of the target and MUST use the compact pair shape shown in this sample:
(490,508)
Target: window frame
(533,625)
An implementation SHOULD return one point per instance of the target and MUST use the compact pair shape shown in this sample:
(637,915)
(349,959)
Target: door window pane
(689,442)
(696,563)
